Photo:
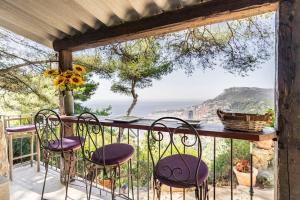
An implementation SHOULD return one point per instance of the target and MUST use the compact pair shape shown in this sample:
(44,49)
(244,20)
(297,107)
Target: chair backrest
(49,129)
(89,128)
(166,138)
(17,120)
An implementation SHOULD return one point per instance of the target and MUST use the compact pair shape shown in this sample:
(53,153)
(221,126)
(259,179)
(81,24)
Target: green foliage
(136,64)
(84,93)
(273,117)
(238,46)
(240,151)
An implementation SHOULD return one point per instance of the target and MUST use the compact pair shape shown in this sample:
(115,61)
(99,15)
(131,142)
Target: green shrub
(240,150)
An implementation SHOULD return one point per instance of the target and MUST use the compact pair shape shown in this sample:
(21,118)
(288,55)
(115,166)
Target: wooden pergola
(72,25)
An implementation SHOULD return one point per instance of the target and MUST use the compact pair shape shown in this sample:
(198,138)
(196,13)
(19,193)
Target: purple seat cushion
(116,153)
(19,129)
(175,172)
(68,143)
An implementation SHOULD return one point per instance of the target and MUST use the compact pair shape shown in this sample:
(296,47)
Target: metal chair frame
(49,128)
(20,135)
(88,126)
(158,132)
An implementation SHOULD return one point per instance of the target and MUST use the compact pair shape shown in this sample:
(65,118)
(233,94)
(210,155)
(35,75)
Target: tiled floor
(27,185)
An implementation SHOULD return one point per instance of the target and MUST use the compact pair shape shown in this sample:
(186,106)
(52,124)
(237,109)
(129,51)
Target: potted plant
(242,172)
(105,183)
(66,82)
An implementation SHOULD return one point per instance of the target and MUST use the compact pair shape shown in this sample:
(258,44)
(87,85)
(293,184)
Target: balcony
(27,183)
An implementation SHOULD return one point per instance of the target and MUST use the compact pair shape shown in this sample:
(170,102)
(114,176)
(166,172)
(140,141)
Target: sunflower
(68,74)
(76,80)
(79,69)
(59,80)
(50,72)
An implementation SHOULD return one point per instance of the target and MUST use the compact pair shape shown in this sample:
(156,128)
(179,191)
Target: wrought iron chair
(176,157)
(21,131)
(50,132)
(100,156)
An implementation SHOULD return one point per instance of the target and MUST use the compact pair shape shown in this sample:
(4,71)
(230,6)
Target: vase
(69,103)
(245,178)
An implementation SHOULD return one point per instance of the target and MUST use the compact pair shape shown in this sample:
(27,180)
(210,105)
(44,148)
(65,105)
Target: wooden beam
(65,63)
(288,100)
(213,11)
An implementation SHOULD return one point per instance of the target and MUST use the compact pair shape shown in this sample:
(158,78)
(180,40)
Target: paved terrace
(28,184)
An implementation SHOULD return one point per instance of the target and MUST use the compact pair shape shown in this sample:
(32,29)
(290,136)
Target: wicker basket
(245,122)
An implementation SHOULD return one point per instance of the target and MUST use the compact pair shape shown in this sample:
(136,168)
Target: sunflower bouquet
(68,80)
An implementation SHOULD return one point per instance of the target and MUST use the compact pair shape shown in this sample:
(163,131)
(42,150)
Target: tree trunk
(288,100)
(133,103)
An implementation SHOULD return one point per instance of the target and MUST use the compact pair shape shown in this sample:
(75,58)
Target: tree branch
(2,71)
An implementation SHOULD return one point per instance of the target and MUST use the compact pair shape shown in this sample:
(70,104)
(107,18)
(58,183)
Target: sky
(201,85)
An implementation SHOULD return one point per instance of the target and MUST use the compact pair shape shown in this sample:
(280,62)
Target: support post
(4,165)
(288,100)
(65,63)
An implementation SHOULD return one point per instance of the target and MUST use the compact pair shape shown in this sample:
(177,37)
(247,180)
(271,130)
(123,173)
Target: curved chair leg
(206,197)
(67,178)
(46,172)
(157,188)
(91,183)
(198,193)
(119,177)
(201,192)
(113,183)
(85,179)
(131,177)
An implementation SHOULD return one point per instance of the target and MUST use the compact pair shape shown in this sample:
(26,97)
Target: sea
(143,108)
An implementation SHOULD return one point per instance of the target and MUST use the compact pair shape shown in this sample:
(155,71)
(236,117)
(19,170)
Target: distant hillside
(245,99)
(236,99)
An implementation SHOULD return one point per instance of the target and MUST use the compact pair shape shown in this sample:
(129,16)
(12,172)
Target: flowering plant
(243,166)
(68,80)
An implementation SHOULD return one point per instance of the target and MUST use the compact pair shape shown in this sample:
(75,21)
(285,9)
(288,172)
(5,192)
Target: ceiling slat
(71,8)
(25,33)
(48,19)
(191,2)
(122,9)
(57,13)
(168,5)
(145,7)
(100,11)
(16,16)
